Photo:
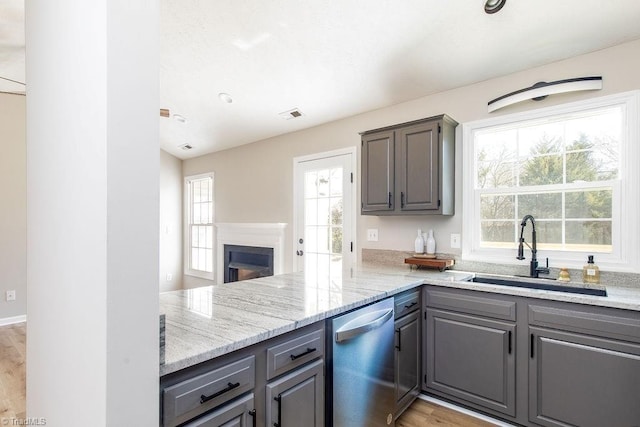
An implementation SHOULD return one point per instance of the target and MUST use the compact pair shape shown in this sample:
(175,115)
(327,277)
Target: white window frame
(187,228)
(625,256)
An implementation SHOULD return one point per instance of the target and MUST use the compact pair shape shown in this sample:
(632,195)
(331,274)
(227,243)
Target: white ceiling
(336,59)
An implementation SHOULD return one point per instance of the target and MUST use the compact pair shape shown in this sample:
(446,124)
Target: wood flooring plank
(13,372)
(426,414)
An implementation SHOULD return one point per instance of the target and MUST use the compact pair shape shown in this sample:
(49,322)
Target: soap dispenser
(591,272)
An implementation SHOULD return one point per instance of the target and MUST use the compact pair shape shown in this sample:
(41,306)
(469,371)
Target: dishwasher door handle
(362,324)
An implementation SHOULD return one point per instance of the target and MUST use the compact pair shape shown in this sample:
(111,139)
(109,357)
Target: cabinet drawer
(293,353)
(192,397)
(238,413)
(616,324)
(406,303)
(471,304)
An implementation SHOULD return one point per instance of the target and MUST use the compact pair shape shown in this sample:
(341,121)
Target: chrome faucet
(534,270)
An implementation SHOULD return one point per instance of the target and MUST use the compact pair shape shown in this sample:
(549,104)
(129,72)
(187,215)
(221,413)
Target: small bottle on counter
(591,272)
(564,275)
(419,243)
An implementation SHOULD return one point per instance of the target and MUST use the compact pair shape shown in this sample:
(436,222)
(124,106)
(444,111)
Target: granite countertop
(204,323)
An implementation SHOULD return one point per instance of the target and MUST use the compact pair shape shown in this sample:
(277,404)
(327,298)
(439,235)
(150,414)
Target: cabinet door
(417,169)
(297,399)
(378,177)
(240,413)
(407,360)
(581,380)
(472,358)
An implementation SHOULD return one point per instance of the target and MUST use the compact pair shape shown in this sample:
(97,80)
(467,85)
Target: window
(199,226)
(573,167)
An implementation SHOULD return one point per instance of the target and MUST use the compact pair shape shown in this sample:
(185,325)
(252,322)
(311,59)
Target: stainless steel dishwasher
(360,377)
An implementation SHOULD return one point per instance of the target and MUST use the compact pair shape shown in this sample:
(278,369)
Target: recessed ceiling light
(225,97)
(493,6)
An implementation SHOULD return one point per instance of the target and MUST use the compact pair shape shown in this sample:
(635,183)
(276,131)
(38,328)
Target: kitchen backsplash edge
(396,258)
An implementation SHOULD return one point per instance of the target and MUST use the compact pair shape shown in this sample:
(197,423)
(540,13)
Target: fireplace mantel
(266,235)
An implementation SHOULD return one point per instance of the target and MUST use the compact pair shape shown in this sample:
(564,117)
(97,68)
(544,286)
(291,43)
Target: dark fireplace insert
(247,262)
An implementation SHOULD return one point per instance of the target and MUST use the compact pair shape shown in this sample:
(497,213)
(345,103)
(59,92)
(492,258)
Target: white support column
(92,212)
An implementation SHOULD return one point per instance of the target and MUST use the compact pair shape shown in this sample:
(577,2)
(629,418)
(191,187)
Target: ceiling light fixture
(541,90)
(225,97)
(179,118)
(493,6)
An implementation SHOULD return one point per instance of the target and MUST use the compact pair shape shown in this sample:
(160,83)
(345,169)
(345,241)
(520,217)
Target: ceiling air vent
(291,114)
(186,147)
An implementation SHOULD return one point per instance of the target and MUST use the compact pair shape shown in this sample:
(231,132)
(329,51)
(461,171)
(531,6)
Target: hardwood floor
(13,371)
(424,414)
(13,389)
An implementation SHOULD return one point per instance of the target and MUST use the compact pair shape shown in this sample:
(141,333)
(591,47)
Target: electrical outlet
(169,277)
(372,234)
(455,241)
(11,295)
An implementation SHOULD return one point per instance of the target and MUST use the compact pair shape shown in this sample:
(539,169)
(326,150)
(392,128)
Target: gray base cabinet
(297,399)
(278,382)
(533,362)
(408,349)
(409,168)
(472,358)
(584,380)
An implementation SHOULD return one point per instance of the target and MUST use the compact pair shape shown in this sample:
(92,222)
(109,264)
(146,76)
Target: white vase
(419,243)
(431,243)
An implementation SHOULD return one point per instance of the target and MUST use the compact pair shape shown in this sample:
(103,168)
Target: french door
(323,213)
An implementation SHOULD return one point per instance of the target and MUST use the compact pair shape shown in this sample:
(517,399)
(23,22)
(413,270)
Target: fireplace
(247,262)
(253,235)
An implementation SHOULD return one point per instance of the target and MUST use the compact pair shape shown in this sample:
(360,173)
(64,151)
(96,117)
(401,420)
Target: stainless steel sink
(543,284)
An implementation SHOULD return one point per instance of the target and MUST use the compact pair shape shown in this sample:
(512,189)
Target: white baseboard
(465,411)
(12,320)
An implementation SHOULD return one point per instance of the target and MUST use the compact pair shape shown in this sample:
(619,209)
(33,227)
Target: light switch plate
(372,234)
(455,241)
(11,295)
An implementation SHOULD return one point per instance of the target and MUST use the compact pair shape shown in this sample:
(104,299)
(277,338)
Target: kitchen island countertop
(208,322)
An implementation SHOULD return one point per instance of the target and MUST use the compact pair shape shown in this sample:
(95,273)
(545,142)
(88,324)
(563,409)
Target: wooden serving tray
(439,263)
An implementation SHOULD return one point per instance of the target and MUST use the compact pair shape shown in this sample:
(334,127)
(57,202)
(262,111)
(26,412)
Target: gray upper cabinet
(418,167)
(378,165)
(409,168)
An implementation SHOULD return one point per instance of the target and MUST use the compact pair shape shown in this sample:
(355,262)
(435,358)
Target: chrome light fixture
(493,6)
(541,90)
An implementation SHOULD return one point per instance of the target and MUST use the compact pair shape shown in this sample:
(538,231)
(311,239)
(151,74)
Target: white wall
(13,207)
(254,182)
(171,184)
(92,212)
